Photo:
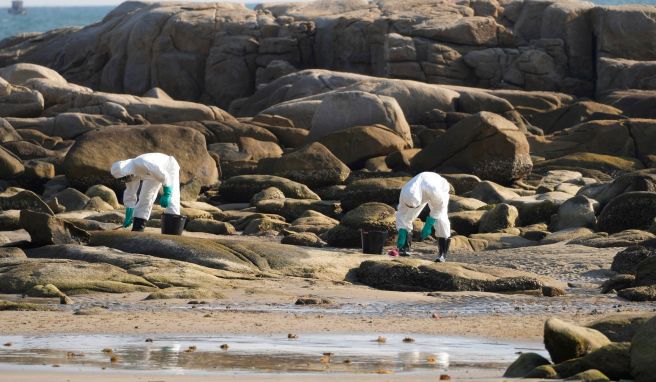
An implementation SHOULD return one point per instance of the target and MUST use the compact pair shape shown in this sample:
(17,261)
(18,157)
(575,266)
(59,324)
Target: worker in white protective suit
(151,170)
(425,188)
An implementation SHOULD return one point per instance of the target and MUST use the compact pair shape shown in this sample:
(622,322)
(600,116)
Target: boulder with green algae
(242,188)
(293,208)
(242,221)
(11,252)
(591,375)
(422,275)
(617,282)
(524,364)
(22,306)
(621,327)
(210,226)
(613,360)
(19,199)
(69,276)
(619,239)
(267,194)
(159,272)
(45,229)
(544,371)
(626,261)
(565,341)
(643,353)
(47,290)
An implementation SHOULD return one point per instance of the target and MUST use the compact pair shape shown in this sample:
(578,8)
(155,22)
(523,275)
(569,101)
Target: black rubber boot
(405,250)
(443,245)
(138,224)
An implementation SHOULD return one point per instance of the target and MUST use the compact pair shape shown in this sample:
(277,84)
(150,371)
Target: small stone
(149,340)
(113,359)
(292,336)
(408,340)
(445,377)
(381,340)
(191,349)
(224,347)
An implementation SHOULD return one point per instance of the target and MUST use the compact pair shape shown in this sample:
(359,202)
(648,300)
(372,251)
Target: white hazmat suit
(152,170)
(425,188)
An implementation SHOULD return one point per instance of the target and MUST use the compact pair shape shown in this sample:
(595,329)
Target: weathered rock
(485,145)
(294,208)
(620,239)
(257,226)
(184,294)
(313,165)
(627,260)
(572,115)
(72,199)
(305,239)
(259,149)
(69,276)
(544,371)
(383,190)
(566,341)
(592,162)
(566,235)
(365,142)
(243,187)
(421,275)
(629,210)
(540,207)
(11,252)
(270,193)
(612,360)
(7,132)
(459,203)
(313,221)
(19,199)
(210,226)
(84,167)
(45,229)
(19,101)
(491,193)
(10,164)
(462,183)
(524,365)
(500,217)
(105,193)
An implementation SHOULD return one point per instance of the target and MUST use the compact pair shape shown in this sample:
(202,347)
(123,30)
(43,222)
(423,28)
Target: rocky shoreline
(297,125)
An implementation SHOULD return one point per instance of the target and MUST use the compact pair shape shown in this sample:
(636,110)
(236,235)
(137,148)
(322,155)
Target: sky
(55,3)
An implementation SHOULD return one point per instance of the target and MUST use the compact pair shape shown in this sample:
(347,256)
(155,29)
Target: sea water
(41,19)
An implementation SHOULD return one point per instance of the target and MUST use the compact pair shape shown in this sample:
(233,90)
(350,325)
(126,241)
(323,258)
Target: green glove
(428,228)
(401,240)
(129,213)
(165,200)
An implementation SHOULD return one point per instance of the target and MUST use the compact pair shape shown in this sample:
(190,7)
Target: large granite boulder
(626,261)
(621,327)
(19,199)
(486,145)
(383,190)
(313,165)
(89,160)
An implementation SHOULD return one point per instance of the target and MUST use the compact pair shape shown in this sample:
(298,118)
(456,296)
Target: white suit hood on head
(122,168)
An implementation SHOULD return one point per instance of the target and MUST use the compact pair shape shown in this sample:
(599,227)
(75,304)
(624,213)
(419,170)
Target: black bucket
(373,241)
(173,224)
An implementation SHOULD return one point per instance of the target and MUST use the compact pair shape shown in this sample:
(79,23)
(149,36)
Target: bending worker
(152,170)
(425,188)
